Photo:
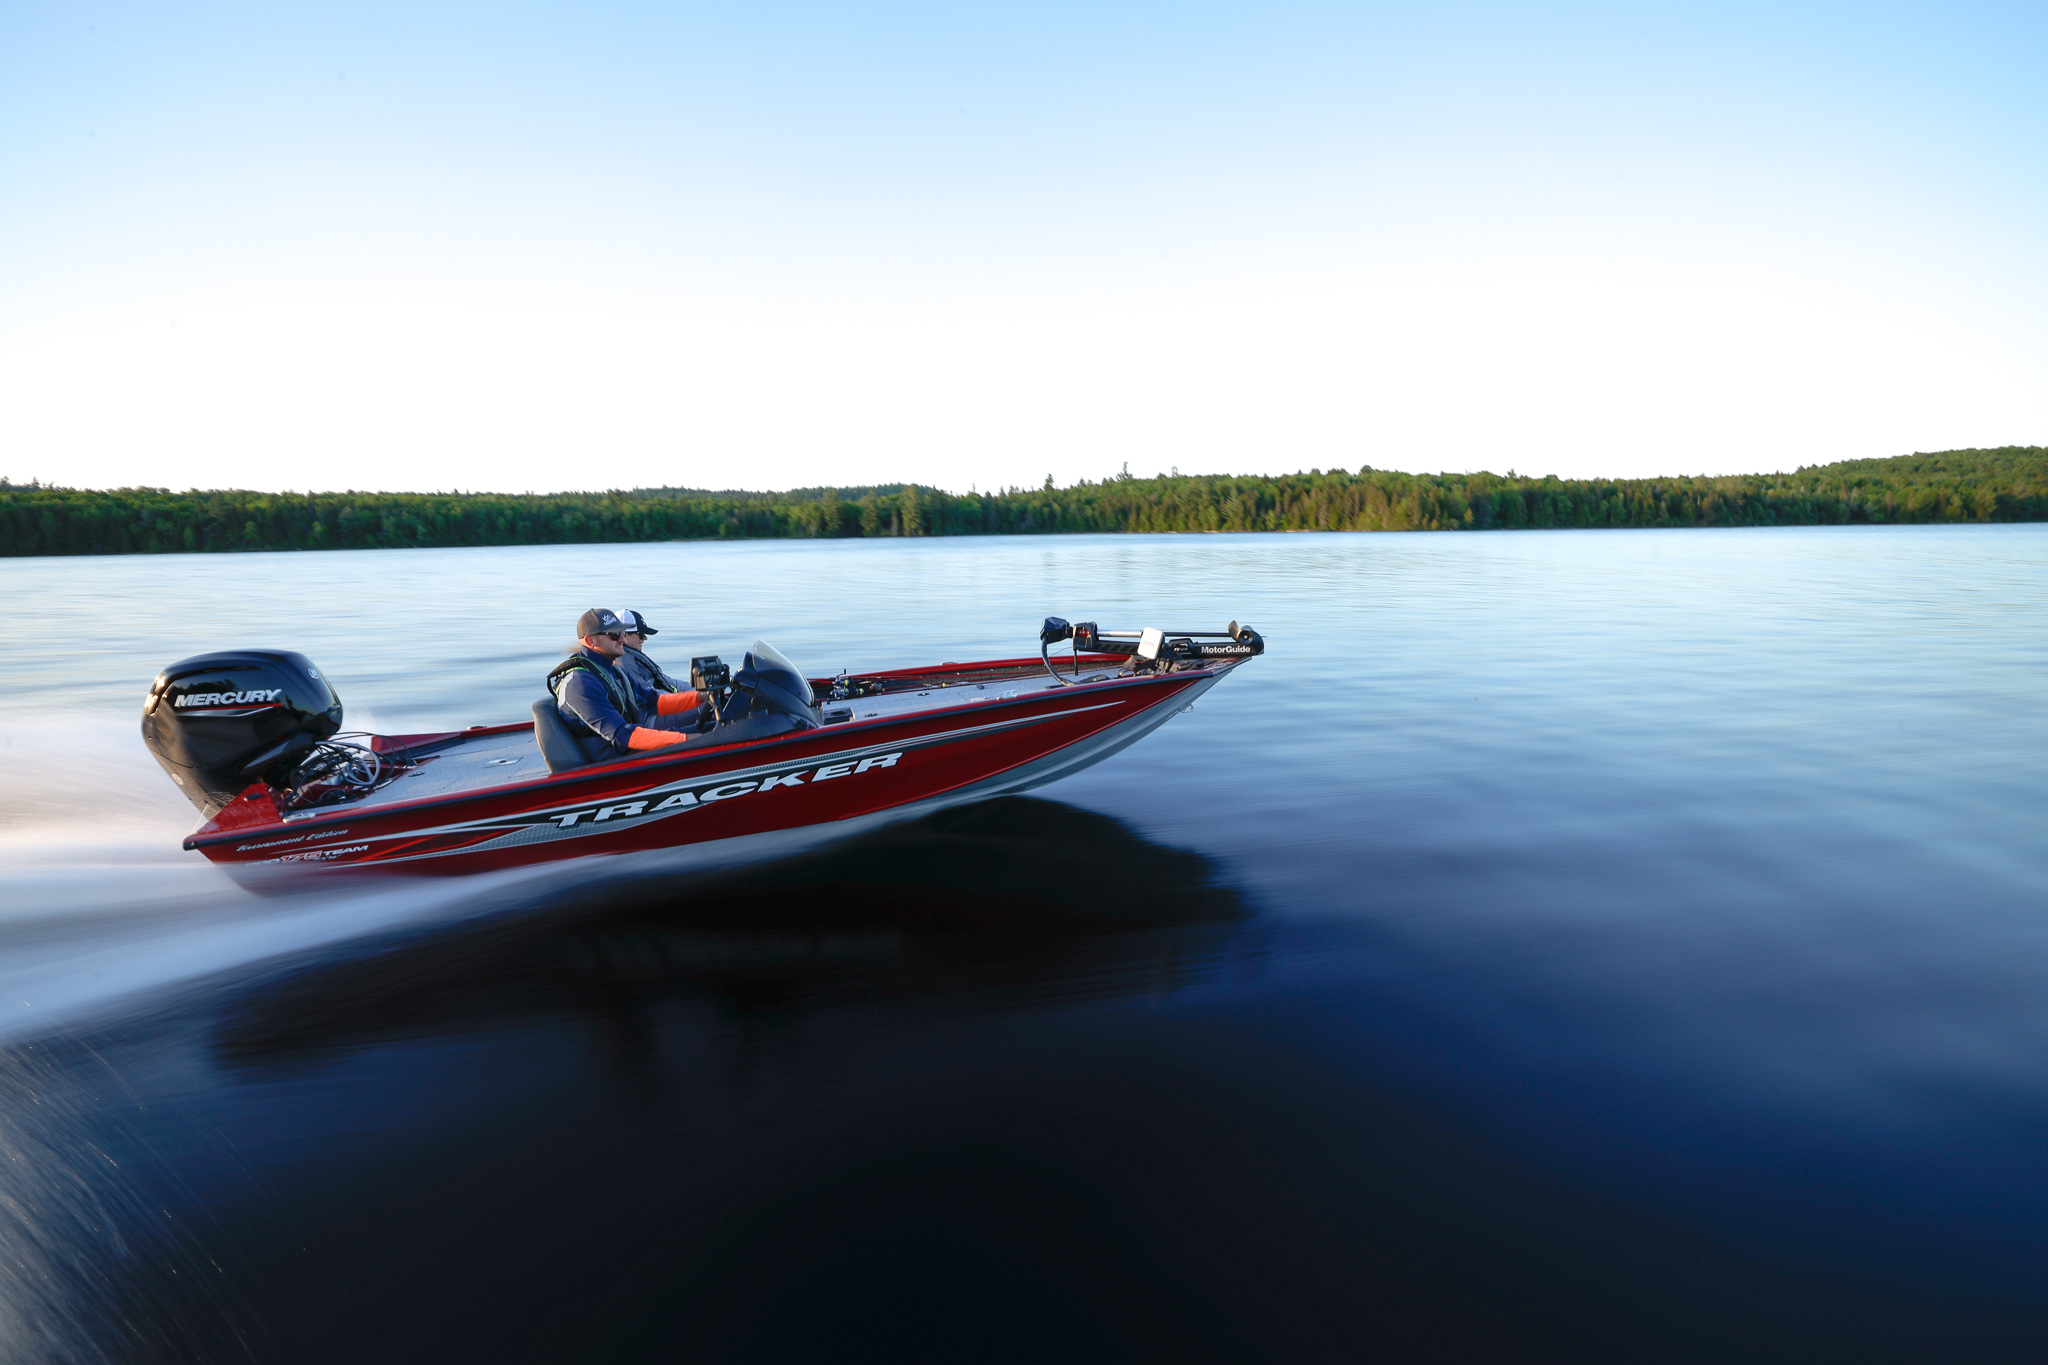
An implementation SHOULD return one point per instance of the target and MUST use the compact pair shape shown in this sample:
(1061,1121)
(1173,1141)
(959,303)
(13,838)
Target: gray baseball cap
(603,621)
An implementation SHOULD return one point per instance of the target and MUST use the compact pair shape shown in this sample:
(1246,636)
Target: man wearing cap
(647,678)
(597,698)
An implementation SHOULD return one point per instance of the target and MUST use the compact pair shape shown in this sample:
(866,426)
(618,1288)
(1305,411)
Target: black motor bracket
(1237,642)
(1149,648)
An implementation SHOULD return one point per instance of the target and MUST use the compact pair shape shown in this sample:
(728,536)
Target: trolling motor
(1148,649)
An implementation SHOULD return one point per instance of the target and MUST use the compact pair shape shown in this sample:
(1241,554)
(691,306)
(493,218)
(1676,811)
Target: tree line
(2009,483)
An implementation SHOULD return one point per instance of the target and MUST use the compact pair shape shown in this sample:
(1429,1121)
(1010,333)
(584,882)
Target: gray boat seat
(562,748)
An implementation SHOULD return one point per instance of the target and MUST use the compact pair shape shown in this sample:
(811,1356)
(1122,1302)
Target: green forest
(2006,484)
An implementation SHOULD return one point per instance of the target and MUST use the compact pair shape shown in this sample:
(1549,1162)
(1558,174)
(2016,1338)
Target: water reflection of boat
(999,903)
(250,736)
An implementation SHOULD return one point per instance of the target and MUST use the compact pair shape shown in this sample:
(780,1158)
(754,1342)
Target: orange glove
(676,703)
(644,738)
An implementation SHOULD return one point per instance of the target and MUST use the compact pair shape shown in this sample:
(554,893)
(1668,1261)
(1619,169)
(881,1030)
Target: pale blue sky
(587,246)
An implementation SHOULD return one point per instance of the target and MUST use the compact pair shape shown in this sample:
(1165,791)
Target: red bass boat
(254,738)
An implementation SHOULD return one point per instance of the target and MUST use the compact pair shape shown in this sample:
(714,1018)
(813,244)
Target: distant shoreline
(2009,483)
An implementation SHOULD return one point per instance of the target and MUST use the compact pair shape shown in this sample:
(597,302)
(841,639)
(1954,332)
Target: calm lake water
(1598,946)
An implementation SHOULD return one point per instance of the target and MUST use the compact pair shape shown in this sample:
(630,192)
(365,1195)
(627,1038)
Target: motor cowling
(217,722)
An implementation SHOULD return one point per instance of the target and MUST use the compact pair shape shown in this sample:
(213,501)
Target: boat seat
(562,748)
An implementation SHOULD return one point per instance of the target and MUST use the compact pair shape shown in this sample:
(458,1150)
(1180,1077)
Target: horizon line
(7,484)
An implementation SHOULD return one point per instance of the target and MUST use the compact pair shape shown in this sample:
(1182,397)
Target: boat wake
(98,918)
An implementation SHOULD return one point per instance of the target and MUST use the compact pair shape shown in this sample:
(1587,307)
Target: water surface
(1611,945)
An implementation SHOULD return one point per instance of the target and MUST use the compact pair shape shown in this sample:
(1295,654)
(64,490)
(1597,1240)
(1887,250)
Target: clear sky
(590,245)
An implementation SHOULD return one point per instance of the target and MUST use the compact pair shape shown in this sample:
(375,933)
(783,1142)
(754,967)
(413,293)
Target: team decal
(320,855)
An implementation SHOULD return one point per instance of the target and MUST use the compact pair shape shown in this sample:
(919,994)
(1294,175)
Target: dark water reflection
(647,1123)
(1571,947)
(1015,903)
(1014,1083)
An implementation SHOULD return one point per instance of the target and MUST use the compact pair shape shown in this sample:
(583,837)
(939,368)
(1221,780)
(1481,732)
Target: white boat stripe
(1080,754)
(535,815)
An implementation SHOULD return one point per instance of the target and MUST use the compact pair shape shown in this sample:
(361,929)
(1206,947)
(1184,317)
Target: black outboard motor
(217,722)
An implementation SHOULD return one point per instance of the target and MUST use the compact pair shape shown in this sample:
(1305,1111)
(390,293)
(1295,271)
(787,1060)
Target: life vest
(658,680)
(614,687)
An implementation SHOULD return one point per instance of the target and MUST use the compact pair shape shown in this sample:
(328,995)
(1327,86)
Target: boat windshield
(773,667)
